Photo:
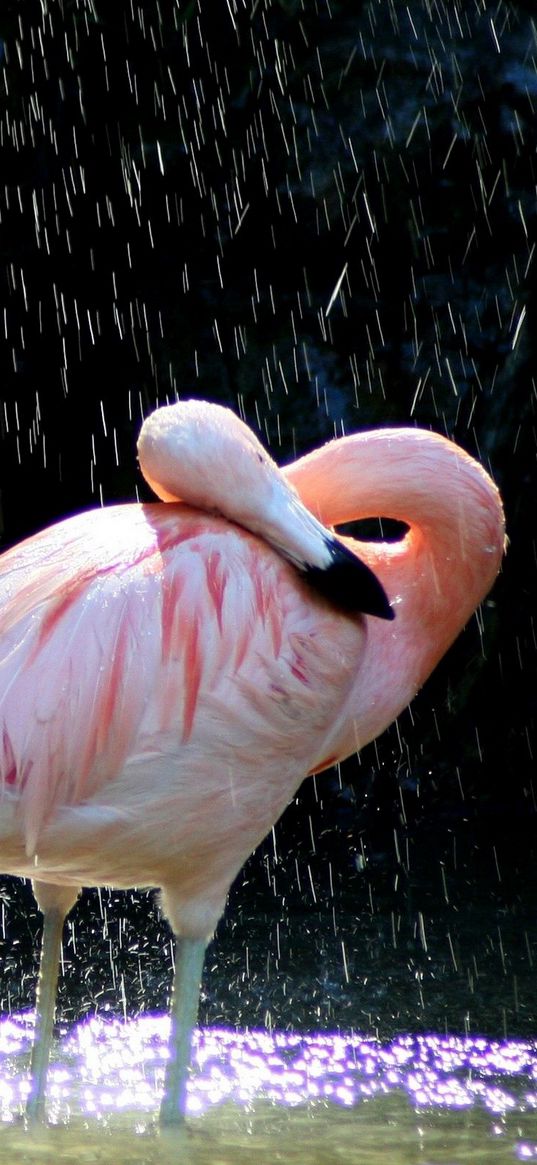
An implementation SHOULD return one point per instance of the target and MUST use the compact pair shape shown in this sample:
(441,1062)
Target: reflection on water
(280,1097)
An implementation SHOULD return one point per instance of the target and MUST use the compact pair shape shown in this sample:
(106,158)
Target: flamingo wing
(74,618)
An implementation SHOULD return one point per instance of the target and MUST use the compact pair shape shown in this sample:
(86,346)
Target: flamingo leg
(189,956)
(55,903)
(46,1002)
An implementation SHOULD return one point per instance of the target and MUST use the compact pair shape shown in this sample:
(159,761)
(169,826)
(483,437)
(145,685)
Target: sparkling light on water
(105,1066)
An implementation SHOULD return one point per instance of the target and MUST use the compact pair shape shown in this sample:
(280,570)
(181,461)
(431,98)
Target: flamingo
(171,671)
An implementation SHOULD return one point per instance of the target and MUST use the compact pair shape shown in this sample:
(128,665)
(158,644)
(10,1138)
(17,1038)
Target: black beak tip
(383,610)
(350,584)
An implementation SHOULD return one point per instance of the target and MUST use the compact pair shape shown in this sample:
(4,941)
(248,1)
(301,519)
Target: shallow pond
(433,1100)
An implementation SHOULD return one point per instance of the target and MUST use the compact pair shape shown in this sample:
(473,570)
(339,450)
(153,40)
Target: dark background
(182,186)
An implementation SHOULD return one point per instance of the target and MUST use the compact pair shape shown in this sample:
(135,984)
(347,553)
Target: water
(384,1130)
(436,1100)
(382,1090)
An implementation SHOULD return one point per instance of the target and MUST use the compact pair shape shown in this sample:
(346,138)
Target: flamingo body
(184,656)
(170,672)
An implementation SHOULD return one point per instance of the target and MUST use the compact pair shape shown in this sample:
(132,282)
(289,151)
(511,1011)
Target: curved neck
(435,576)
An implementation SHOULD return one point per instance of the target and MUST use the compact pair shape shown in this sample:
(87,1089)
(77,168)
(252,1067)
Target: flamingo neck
(435,576)
(451,506)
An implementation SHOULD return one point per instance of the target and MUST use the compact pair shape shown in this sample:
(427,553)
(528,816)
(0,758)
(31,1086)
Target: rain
(323,215)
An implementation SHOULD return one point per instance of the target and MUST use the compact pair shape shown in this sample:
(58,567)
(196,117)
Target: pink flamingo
(171,672)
